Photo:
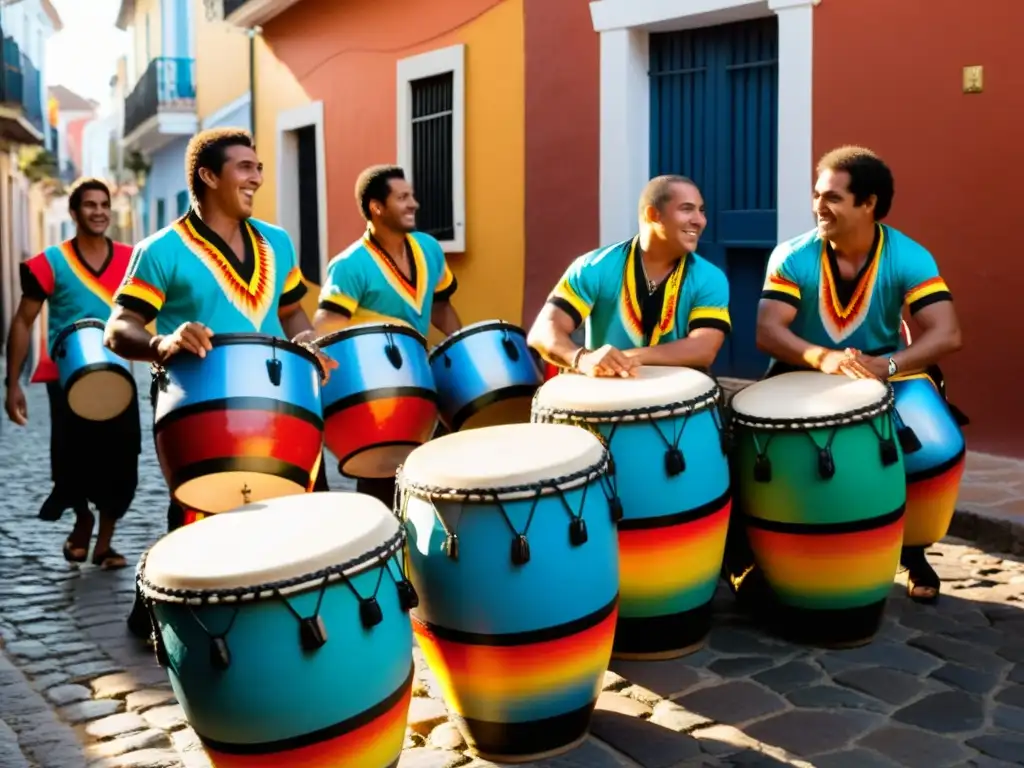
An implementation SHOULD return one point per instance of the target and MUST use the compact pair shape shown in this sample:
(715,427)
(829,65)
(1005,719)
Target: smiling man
(89,461)
(193,277)
(649,300)
(833,298)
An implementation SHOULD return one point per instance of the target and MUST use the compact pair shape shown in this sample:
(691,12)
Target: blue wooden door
(714,118)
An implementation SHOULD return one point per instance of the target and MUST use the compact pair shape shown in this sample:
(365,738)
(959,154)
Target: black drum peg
(727,441)
(274,371)
(675,464)
(370,613)
(407,597)
(615,507)
(908,439)
(220,654)
(394,355)
(520,550)
(890,455)
(510,349)
(826,464)
(451,546)
(578,532)
(762,469)
(312,633)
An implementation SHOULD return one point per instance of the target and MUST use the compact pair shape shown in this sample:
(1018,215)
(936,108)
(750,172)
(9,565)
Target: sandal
(109,560)
(923,582)
(74,554)
(79,554)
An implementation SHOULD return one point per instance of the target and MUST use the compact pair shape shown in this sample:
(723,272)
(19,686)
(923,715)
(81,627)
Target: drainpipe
(252,32)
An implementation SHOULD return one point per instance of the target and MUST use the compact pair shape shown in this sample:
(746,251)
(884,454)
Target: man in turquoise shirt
(833,301)
(649,300)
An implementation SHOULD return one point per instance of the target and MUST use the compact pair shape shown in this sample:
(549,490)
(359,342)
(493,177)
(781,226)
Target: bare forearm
(927,350)
(295,323)
(129,339)
(553,344)
(444,317)
(785,346)
(17,347)
(326,322)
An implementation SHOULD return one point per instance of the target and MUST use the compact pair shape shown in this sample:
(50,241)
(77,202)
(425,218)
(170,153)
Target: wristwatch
(892,367)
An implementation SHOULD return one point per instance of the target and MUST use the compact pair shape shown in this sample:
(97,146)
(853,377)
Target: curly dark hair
(207,150)
(80,187)
(375,184)
(869,175)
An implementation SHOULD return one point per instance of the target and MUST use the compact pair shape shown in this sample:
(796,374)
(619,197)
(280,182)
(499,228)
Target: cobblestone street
(941,686)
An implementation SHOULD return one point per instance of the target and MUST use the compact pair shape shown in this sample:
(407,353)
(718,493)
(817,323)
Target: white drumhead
(283,538)
(653,386)
(502,456)
(807,395)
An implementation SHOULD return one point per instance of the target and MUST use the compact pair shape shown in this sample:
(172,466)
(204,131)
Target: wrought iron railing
(167,84)
(230,6)
(32,93)
(20,83)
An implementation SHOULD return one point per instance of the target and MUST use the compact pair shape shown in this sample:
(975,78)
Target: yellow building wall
(142,9)
(222,62)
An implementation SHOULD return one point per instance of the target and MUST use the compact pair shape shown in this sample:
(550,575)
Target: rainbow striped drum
(380,403)
(242,424)
(934,453)
(820,479)
(486,374)
(512,551)
(664,431)
(99,385)
(288,645)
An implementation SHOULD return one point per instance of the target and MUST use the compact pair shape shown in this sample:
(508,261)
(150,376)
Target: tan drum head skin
(101,395)
(275,540)
(503,456)
(807,395)
(653,386)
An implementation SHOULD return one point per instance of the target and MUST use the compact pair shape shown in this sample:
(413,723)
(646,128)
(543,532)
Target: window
(431,140)
(161,213)
(182,203)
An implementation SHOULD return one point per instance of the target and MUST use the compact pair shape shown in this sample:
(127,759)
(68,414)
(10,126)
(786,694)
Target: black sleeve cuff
(711,322)
(568,308)
(294,295)
(30,286)
(785,298)
(138,306)
(931,298)
(330,306)
(447,293)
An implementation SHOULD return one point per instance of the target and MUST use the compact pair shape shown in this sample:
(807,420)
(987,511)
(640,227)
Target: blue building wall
(165,184)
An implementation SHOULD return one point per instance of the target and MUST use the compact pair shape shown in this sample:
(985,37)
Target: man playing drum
(833,300)
(93,461)
(201,268)
(649,300)
(392,274)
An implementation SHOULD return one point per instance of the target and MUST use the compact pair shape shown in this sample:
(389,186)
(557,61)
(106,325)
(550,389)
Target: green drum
(821,484)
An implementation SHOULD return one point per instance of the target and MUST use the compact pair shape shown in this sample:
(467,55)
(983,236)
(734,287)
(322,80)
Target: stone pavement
(941,686)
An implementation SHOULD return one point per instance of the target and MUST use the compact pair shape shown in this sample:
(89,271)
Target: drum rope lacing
(312,632)
(520,544)
(675,462)
(888,452)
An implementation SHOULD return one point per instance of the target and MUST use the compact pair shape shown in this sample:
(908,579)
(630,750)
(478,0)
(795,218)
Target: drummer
(193,277)
(391,274)
(866,273)
(89,460)
(649,300)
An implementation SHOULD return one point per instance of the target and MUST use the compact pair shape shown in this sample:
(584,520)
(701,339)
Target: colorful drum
(486,375)
(664,431)
(820,479)
(288,645)
(99,385)
(512,551)
(242,424)
(934,454)
(380,402)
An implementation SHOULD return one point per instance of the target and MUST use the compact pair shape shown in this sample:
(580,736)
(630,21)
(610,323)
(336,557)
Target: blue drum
(242,424)
(288,644)
(486,375)
(380,402)
(99,385)
(671,472)
(512,550)
(934,453)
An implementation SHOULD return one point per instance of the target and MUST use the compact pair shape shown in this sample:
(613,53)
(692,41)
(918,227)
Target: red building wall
(563,126)
(888,75)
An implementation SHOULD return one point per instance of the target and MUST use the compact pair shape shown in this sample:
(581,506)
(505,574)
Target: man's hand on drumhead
(843,363)
(607,361)
(191,337)
(308,339)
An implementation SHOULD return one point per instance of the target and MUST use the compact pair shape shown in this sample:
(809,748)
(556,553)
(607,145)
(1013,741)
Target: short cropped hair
(375,184)
(80,187)
(869,175)
(658,191)
(207,150)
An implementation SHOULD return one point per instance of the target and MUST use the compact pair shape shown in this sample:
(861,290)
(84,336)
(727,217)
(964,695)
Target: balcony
(21,97)
(162,106)
(251,13)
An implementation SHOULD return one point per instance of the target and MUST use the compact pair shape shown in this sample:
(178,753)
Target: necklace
(652,286)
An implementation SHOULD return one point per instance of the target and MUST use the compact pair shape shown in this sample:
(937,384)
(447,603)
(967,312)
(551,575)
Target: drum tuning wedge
(762,469)
(370,613)
(908,439)
(510,348)
(451,546)
(274,371)
(578,532)
(394,355)
(520,550)
(312,632)
(728,441)
(615,507)
(826,464)
(675,464)
(220,654)
(407,597)
(889,453)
